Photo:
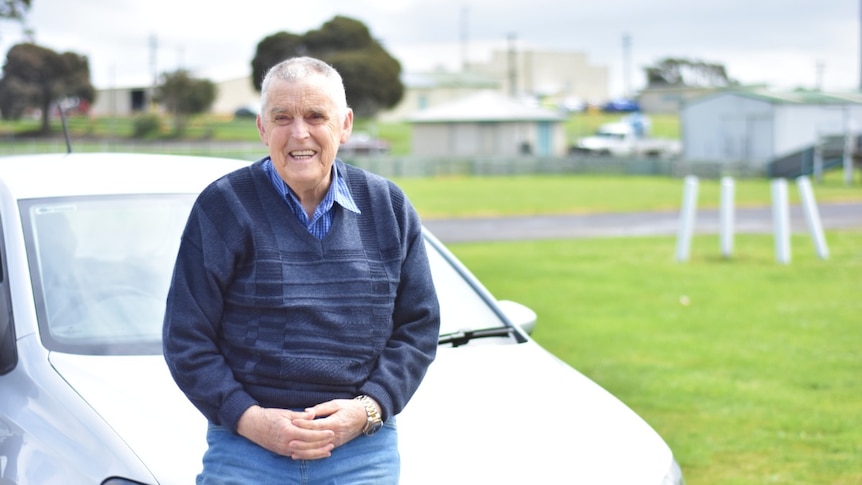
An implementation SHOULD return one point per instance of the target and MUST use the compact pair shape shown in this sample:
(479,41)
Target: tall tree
(687,72)
(14,9)
(183,95)
(37,77)
(372,77)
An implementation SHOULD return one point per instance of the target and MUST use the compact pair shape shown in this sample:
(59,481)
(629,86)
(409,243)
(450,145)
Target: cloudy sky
(782,43)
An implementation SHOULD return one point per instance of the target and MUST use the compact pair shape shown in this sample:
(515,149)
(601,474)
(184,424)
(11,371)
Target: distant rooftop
(447,79)
(800,97)
(486,106)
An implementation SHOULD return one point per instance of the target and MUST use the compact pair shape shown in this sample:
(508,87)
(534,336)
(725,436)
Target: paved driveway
(746,220)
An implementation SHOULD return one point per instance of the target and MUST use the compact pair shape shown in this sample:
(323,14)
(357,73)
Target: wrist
(373,415)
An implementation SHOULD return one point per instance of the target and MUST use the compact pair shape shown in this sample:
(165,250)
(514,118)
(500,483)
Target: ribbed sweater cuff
(233,408)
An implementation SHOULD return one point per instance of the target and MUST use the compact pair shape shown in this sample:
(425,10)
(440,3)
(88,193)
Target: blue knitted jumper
(261,312)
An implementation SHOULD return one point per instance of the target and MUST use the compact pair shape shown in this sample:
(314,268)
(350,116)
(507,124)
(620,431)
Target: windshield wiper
(462,337)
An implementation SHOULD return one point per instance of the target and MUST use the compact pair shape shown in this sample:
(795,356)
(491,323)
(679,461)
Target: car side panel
(48,434)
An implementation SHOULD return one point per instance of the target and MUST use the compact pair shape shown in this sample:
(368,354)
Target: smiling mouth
(302,154)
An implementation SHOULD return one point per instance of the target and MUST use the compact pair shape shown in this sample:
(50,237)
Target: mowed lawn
(751,370)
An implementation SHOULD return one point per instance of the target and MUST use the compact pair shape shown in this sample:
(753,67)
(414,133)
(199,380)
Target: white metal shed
(487,124)
(756,127)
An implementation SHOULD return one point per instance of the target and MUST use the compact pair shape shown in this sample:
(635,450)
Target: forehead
(309,92)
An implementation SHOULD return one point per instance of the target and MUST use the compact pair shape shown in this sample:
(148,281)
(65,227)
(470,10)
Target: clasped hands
(304,435)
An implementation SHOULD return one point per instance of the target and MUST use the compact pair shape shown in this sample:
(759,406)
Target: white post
(818,159)
(727,189)
(781,220)
(686,219)
(849,143)
(812,216)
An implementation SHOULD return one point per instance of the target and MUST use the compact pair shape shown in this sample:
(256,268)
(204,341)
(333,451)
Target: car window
(101,268)
(462,307)
(8,349)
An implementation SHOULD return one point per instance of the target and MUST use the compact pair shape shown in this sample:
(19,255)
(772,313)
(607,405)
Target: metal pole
(849,140)
(781,220)
(513,68)
(818,159)
(727,190)
(686,219)
(627,60)
(812,216)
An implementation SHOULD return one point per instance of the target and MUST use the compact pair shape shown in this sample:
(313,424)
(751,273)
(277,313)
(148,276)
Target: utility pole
(513,67)
(819,76)
(464,38)
(627,75)
(154,48)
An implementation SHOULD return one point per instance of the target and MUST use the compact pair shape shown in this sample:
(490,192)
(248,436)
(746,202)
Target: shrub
(146,126)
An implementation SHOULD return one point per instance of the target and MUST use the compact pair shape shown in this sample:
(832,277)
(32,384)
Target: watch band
(373,421)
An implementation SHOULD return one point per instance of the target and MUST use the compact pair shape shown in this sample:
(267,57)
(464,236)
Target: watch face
(374,427)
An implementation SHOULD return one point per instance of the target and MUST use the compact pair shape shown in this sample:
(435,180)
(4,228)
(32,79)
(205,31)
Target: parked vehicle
(625,139)
(363,144)
(87,245)
(621,105)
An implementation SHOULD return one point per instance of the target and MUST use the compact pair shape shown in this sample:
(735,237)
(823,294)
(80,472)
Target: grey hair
(299,68)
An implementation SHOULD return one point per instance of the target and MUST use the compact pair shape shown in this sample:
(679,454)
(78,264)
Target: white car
(88,245)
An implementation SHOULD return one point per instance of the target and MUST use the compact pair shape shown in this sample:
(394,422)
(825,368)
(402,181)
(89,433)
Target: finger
(313,453)
(325,408)
(310,432)
(291,415)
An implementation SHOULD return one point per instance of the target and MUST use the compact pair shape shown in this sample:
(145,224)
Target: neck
(311,196)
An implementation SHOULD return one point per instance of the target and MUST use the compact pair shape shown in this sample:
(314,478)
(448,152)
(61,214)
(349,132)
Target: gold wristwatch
(374,422)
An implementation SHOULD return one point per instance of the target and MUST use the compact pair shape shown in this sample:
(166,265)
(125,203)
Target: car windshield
(101,268)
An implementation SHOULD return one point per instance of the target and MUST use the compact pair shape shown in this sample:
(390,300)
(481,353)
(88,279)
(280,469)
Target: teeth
(302,153)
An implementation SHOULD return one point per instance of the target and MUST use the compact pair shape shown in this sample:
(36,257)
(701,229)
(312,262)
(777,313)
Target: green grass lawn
(748,368)
(572,194)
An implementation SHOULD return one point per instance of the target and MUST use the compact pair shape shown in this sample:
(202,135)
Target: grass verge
(749,369)
(572,194)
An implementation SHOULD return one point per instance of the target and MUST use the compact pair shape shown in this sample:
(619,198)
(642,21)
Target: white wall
(729,128)
(800,126)
(496,139)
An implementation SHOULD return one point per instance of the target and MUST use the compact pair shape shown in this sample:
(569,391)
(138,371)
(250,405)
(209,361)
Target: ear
(261,129)
(347,126)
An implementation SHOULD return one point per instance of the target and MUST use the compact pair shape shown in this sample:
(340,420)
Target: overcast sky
(783,43)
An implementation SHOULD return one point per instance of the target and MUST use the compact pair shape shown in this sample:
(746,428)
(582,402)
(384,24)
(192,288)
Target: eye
(281,119)
(315,117)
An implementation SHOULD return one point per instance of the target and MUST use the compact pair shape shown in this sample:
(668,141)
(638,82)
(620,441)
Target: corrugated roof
(794,97)
(484,107)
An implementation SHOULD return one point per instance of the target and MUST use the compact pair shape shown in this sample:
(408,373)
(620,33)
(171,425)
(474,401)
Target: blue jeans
(234,460)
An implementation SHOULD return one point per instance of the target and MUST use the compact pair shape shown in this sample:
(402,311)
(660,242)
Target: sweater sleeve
(194,307)
(416,320)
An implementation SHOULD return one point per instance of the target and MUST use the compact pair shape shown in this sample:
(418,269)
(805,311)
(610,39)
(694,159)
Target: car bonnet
(516,414)
(139,400)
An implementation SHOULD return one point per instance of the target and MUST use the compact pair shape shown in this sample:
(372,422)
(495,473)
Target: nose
(299,129)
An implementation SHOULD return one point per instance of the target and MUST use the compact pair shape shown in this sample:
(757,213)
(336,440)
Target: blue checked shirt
(321,221)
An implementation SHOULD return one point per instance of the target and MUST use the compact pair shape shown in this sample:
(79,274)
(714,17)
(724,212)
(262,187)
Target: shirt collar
(338,192)
(342,191)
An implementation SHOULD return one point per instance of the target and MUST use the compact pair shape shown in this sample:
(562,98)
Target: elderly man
(301,316)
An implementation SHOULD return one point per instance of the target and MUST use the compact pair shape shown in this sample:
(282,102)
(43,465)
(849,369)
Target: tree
(372,77)
(14,9)
(687,72)
(37,77)
(184,95)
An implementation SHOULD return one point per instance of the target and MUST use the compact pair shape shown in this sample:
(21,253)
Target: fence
(408,166)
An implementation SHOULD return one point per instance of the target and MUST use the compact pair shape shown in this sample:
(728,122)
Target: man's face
(302,127)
